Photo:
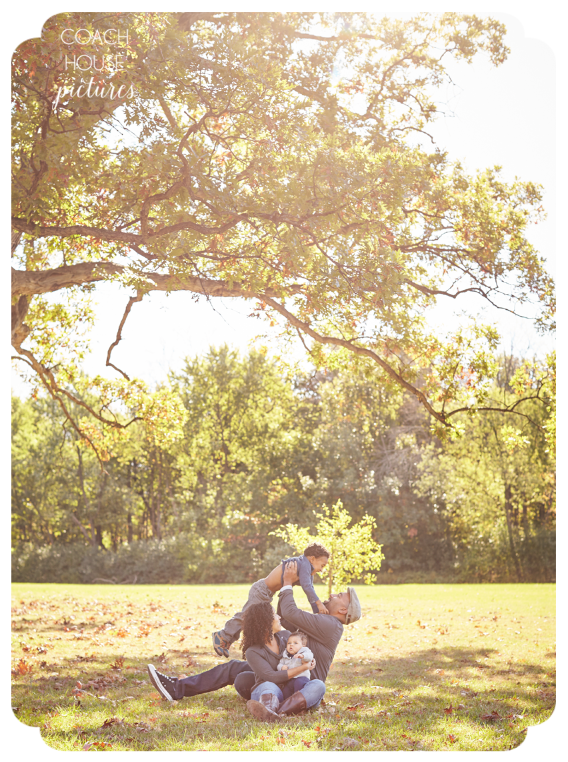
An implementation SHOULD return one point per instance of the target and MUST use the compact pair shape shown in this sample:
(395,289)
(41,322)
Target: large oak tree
(281,157)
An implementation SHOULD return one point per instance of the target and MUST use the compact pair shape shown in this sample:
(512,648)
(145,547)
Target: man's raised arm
(322,627)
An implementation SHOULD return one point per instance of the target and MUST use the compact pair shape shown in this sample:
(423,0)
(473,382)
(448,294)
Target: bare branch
(137,298)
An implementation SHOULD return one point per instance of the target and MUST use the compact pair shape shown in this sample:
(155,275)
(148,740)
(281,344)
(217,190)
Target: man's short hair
(299,634)
(316,549)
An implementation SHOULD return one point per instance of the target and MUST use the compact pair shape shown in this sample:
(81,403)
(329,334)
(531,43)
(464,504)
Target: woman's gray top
(264,662)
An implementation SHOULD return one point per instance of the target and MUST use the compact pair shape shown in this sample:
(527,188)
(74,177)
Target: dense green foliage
(263,447)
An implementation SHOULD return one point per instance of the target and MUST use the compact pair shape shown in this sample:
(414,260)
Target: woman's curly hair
(257,625)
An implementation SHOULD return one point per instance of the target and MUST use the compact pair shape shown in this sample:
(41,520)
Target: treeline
(263,447)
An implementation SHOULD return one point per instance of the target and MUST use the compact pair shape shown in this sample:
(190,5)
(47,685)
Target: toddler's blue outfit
(304,569)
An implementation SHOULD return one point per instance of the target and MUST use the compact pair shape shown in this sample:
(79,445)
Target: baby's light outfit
(289,662)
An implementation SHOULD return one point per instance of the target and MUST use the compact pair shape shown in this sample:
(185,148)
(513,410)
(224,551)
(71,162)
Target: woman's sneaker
(220,645)
(162,683)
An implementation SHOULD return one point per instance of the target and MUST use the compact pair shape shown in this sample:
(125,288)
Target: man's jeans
(313,692)
(234,672)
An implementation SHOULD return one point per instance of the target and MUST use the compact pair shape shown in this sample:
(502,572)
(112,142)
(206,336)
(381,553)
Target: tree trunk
(129,527)
(508,511)
(86,503)
(330,573)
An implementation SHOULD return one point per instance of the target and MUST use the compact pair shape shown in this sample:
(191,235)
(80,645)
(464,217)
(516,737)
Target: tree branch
(33,282)
(137,298)
(363,351)
(42,231)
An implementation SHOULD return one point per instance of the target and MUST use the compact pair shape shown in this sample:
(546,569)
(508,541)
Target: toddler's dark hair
(302,635)
(316,549)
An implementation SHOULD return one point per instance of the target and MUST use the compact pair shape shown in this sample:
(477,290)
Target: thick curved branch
(34,282)
(363,351)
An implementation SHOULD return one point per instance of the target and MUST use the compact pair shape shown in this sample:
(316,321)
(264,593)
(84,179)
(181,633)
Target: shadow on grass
(424,686)
(377,699)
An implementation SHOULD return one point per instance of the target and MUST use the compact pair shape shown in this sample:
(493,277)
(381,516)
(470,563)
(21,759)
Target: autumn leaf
(22,668)
(491,717)
(112,721)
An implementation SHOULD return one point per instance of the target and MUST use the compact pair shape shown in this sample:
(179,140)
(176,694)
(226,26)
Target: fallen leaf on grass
(22,668)
(491,717)
(112,721)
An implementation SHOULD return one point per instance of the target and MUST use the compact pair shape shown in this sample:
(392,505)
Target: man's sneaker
(220,645)
(162,683)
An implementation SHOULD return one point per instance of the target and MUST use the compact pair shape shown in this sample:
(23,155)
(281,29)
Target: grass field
(431,667)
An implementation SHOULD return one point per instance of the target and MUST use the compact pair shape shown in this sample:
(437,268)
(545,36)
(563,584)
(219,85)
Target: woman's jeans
(313,692)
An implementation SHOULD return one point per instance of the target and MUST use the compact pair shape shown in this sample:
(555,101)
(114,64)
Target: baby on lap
(296,654)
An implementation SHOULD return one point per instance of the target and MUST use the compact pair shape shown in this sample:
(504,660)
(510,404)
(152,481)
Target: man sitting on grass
(313,560)
(324,632)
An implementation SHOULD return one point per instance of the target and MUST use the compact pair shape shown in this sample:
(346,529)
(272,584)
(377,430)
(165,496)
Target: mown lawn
(431,667)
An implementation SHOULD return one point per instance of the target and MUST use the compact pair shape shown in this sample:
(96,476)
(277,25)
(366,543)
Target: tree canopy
(262,452)
(280,157)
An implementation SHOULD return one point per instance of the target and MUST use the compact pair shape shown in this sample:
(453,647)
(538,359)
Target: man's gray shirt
(323,630)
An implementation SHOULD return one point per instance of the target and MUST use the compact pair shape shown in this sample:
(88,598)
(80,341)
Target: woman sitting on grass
(263,645)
